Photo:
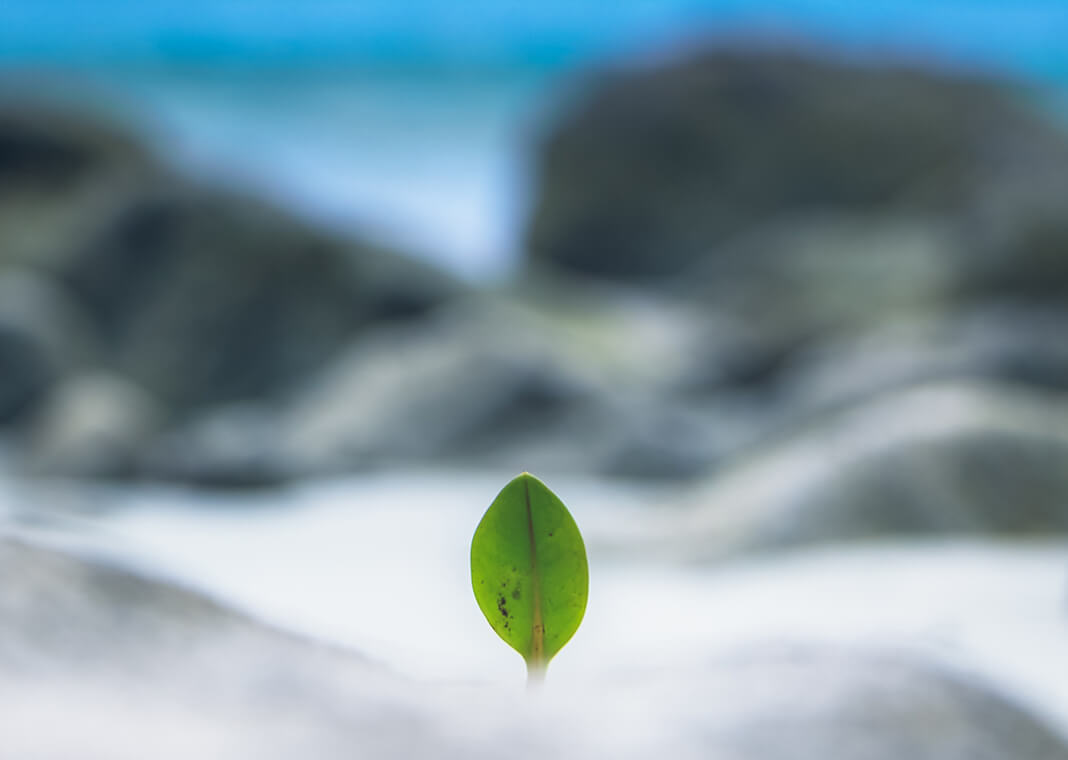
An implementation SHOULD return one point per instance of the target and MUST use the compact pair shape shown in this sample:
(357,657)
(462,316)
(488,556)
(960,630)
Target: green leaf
(529,571)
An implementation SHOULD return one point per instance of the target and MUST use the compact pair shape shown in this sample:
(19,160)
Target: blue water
(1024,36)
(412,122)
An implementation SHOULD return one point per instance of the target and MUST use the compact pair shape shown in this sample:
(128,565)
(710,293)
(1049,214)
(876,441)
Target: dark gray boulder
(486,383)
(204,297)
(195,293)
(930,460)
(233,446)
(655,169)
(60,170)
(45,148)
(91,424)
(25,373)
(42,336)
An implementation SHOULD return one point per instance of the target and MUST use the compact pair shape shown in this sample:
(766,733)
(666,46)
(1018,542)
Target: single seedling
(529,571)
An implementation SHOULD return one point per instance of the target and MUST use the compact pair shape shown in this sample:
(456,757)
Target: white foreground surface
(379,564)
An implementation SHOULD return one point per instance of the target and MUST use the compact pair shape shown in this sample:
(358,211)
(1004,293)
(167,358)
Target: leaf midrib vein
(537,640)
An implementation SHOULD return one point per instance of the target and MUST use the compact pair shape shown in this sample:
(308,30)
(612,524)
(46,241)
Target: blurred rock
(92,424)
(777,383)
(59,170)
(823,234)
(600,389)
(97,662)
(928,460)
(47,149)
(511,382)
(1023,347)
(806,705)
(485,382)
(233,446)
(661,441)
(24,371)
(42,336)
(744,388)
(207,298)
(199,295)
(795,279)
(944,184)
(848,229)
(523,382)
(61,610)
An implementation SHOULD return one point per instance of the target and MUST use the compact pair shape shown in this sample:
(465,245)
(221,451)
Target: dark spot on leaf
(550,534)
(516,592)
(501,605)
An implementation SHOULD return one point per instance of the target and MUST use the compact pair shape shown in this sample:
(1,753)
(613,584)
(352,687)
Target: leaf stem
(535,674)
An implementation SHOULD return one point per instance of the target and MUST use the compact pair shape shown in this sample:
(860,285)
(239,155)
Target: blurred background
(773,294)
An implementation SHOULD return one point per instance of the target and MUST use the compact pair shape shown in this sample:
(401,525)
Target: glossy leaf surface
(529,570)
